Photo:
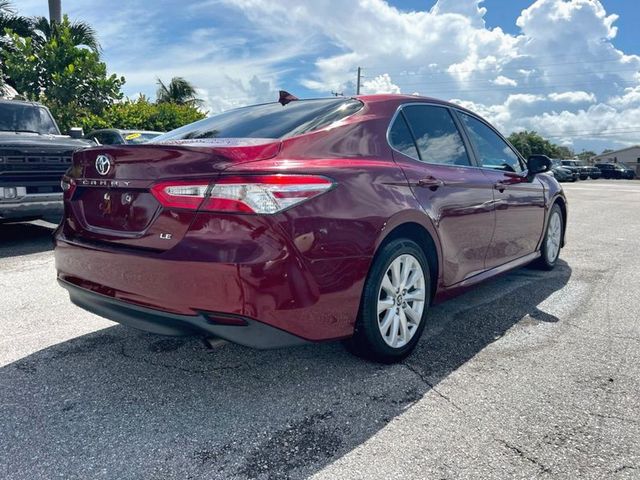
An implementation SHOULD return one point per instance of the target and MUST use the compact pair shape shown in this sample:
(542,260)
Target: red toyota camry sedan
(304,221)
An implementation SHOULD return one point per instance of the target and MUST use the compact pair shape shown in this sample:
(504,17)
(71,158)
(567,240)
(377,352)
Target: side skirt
(461,287)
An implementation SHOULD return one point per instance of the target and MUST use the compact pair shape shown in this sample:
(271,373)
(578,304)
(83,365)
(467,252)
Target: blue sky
(567,68)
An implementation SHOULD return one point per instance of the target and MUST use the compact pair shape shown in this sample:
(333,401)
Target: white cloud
(380,84)
(573,97)
(504,81)
(561,73)
(563,58)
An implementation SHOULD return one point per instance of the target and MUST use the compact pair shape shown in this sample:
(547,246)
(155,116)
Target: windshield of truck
(21,117)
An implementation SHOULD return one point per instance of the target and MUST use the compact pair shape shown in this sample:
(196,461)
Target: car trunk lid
(113,203)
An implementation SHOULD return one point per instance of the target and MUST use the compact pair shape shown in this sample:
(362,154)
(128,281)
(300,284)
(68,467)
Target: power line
(515,89)
(421,67)
(527,77)
(593,134)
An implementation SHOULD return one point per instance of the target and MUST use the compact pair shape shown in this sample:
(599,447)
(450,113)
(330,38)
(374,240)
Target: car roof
(22,102)
(118,130)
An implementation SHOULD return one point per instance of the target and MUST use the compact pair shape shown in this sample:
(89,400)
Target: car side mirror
(76,132)
(538,164)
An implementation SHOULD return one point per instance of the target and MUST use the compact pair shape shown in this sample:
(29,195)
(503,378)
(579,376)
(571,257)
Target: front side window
(436,135)
(270,120)
(492,150)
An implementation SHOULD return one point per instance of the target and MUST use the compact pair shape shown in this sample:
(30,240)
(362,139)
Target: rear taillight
(68,186)
(245,194)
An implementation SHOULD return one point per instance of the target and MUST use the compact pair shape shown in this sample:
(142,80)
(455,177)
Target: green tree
(178,91)
(586,155)
(531,143)
(69,78)
(564,152)
(142,114)
(82,34)
(11,21)
(606,150)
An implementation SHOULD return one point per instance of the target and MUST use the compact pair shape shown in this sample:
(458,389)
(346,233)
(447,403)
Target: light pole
(55,11)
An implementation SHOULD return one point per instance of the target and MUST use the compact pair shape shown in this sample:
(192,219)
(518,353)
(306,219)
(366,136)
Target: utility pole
(359,81)
(55,11)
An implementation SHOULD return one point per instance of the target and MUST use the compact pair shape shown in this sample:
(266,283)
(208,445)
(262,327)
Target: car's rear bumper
(261,279)
(37,205)
(235,328)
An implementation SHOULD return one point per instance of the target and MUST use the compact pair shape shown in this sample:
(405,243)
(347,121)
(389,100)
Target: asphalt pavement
(533,375)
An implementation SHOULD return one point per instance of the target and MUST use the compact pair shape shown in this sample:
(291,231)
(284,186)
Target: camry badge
(103,164)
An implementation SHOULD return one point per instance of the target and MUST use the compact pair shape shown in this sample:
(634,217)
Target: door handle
(431,182)
(500,186)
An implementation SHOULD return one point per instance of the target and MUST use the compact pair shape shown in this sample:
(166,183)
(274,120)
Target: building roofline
(614,152)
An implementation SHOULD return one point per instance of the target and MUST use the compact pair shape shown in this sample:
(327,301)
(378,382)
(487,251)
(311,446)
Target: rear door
(520,203)
(457,196)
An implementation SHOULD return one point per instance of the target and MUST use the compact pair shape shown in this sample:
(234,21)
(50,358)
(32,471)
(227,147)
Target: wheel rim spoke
(395,273)
(393,338)
(385,304)
(386,323)
(411,314)
(404,329)
(415,295)
(388,286)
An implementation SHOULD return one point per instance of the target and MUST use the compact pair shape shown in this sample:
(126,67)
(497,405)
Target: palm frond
(179,91)
(85,34)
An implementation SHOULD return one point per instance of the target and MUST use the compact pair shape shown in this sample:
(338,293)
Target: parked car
(33,158)
(579,168)
(616,170)
(114,136)
(594,172)
(627,172)
(306,221)
(561,173)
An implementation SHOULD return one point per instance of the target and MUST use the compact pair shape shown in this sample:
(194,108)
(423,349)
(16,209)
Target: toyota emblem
(103,164)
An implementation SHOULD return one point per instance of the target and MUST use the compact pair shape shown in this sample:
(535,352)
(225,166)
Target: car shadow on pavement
(119,403)
(24,238)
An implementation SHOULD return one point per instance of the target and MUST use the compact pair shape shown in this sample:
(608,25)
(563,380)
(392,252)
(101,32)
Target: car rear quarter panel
(327,244)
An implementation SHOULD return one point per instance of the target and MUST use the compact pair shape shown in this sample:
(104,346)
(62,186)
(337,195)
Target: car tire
(394,303)
(552,242)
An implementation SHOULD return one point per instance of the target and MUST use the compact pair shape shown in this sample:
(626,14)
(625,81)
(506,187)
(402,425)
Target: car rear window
(270,120)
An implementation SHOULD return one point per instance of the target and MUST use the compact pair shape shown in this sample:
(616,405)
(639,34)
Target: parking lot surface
(533,375)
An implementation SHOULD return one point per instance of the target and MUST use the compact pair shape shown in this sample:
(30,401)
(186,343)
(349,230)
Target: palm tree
(55,11)
(82,33)
(9,20)
(179,91)
(23,26)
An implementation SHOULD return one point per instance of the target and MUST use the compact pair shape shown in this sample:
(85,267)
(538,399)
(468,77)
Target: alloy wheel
(554,237)
(401,300)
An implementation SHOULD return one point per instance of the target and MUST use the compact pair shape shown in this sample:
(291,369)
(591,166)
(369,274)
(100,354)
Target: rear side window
(493,152)
(270,120)
(436,135)
(401,139)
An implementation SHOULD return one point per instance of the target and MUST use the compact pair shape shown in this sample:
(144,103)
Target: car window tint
(401,139)
(99,137)
(436,134)
(270,120)
(492,150)
(114,138)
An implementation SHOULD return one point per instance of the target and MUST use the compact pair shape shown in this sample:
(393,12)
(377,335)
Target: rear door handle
(430,182)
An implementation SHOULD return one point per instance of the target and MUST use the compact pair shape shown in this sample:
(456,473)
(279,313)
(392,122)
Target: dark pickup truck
(33,158)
